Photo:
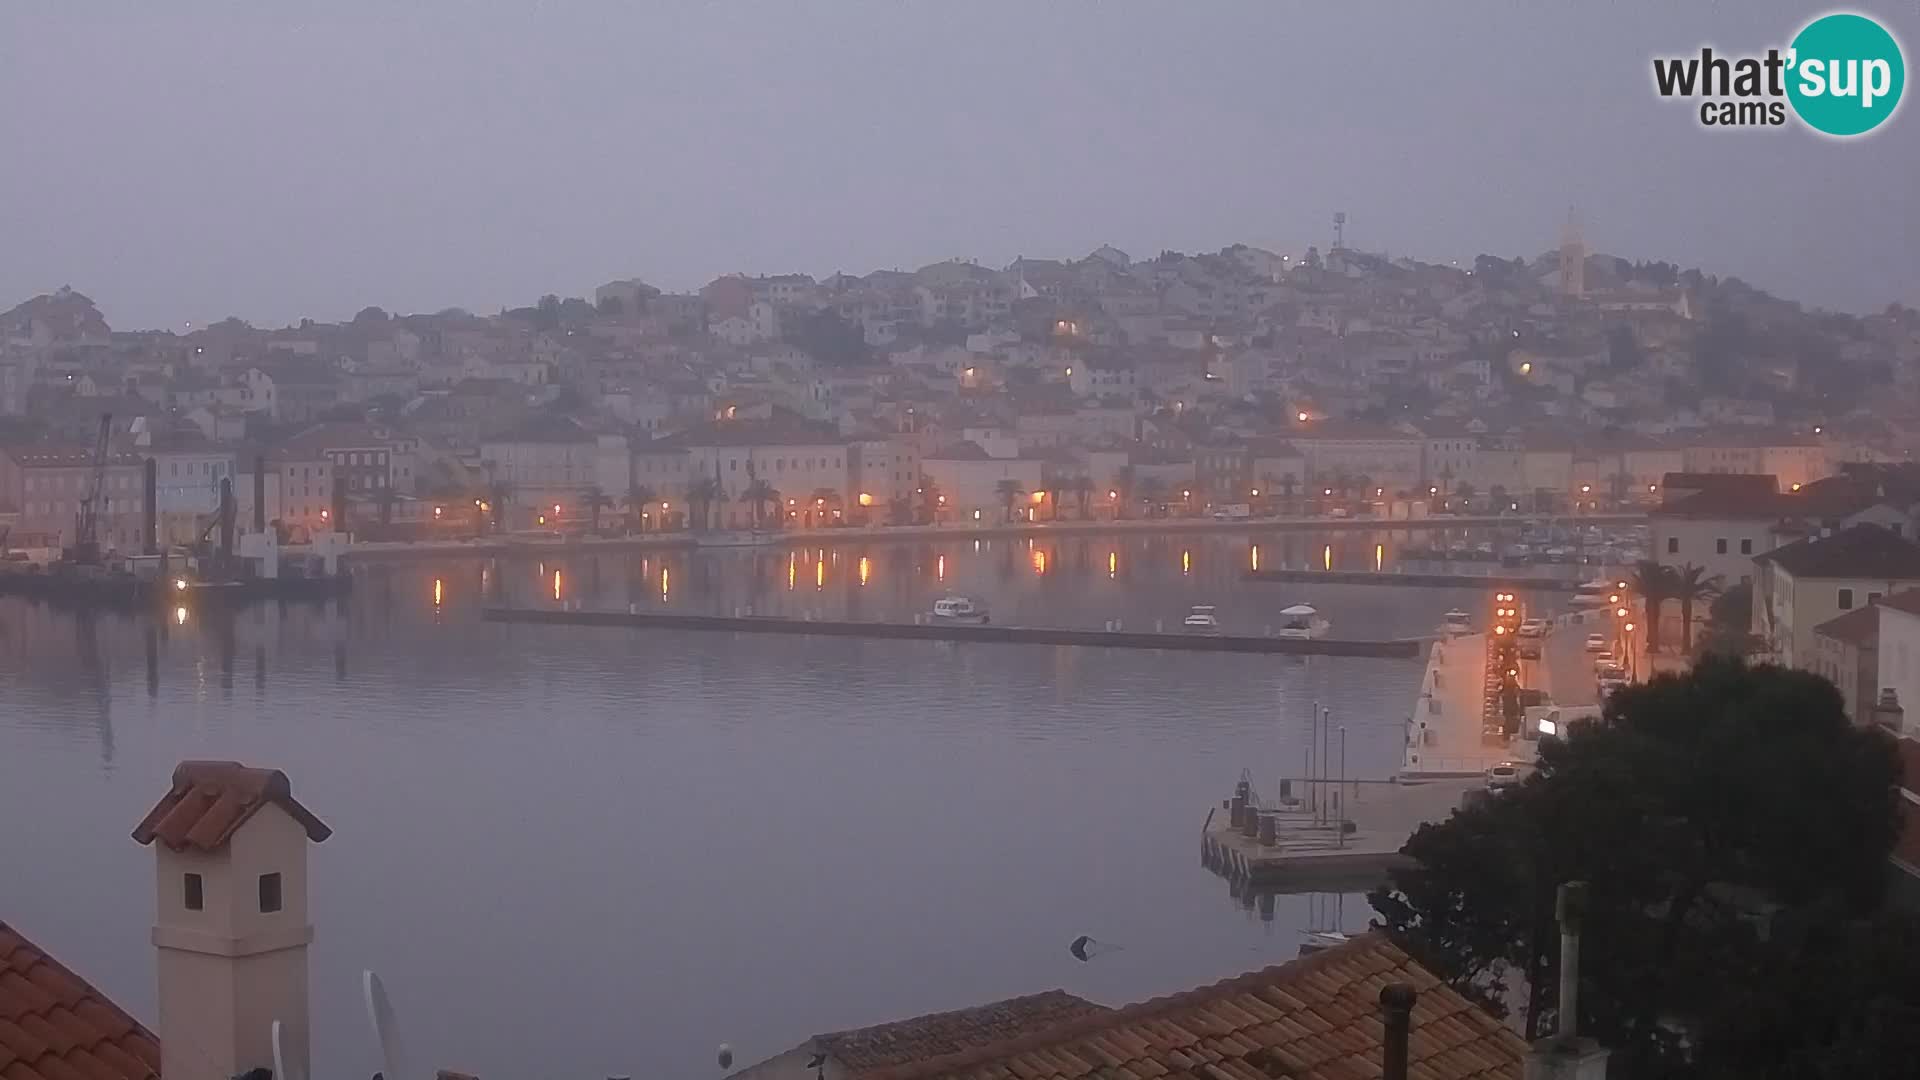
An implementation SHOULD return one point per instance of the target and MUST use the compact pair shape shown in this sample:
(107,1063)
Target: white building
(1801,585)
(970,480)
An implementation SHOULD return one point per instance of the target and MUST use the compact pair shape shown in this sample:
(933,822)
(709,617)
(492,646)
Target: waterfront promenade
(1444,732)
(548,544)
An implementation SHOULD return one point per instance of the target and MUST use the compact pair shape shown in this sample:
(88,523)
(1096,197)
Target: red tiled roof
(1857,627)
(1318,1017)
(936,1035)
(54,1026)
(210,800)
(1907,600)
(1860,551)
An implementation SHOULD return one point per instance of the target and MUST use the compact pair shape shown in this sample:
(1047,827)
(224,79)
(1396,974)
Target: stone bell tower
(231,927)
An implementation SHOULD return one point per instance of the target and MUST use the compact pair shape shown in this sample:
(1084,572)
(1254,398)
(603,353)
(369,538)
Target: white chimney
(1564,1055)
(231,927)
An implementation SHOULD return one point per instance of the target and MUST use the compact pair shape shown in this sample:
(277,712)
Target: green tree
(761,495)
(1654,585)
(1690,585)
(639,498)
(1152,492)
(900,510)
(702,495)
(1008,490)
(1465,493)
(499,497)
(930,501)
(1288,486)
(595,500)
(1082,488)
(1701,808)
(1730,624)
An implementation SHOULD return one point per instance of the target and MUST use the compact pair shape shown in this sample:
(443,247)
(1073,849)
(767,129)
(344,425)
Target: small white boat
(1302,621)
(1592,594)
(1313,941)
(1456,622)
(1201,618)
(958,609)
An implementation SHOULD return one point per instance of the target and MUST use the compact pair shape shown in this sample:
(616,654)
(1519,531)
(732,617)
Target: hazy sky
(193,160)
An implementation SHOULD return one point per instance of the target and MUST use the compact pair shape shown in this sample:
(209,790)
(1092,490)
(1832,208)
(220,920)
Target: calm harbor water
(588,852)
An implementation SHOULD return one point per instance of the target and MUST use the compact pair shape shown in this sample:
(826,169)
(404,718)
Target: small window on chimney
(269,893)
(196,896)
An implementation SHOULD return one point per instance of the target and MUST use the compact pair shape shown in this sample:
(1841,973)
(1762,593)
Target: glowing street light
(1620,612)
(1302,417)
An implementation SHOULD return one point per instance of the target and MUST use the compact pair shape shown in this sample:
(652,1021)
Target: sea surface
(600,852)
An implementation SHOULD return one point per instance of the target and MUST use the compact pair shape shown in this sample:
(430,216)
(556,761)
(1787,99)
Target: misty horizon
(206,162)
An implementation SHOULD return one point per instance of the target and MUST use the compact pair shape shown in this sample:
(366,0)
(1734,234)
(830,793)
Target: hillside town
(1102,387)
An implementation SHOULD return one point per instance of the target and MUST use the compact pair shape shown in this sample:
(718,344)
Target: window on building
(269,893)
(1746,547)
(1846,599)
(1720,546)
(196,893)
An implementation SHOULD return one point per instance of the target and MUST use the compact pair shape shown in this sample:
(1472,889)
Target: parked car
(1504,775)
(1596,643)
(1532,628)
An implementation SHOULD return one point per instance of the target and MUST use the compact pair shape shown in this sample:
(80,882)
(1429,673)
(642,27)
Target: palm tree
(639,497)
(1123,491)
(499,494)
(759,495)
(1151,491)
(1497,495)
(701,496)
(1056,486)
(1654,583)
(1008,490)
(1289,484)
(930,500)
(1082,488)
(1690,585)
(1465,493)
(1617,485)
(595,500)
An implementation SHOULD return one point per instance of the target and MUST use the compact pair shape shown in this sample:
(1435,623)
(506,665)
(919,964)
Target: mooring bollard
(1237,812)
(1250,823)
(1269,828)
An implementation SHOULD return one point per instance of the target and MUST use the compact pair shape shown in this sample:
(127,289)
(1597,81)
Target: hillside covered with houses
(1101,386)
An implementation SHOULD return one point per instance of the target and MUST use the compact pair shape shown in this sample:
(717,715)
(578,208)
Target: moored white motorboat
(1201,619)
(1302,621)
(1455,623)
(958,609)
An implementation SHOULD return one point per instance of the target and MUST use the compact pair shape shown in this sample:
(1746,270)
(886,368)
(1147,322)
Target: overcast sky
(187,161)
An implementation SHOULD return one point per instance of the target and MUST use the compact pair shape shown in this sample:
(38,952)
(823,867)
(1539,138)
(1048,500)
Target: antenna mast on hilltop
(1339,229)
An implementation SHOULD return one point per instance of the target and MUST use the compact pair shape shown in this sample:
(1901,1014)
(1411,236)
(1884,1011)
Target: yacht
(1456,622)
(1202,619)
(958,609)
(1302,621)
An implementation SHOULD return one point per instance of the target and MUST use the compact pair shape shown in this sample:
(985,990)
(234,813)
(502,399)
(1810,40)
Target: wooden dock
(1299,850)
(1389,649)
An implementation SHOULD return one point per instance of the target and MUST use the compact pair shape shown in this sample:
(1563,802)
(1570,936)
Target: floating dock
(1391,649)
(1426,581)
(1292,847)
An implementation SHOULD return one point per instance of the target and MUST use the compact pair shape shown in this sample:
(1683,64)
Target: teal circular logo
(1846,74)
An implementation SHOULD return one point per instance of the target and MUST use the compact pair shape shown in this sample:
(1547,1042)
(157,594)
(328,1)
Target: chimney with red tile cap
(231,927)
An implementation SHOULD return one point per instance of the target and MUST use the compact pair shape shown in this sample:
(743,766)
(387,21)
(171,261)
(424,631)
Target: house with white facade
(1804,584)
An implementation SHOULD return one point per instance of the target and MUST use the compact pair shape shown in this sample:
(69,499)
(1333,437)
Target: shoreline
(383,551)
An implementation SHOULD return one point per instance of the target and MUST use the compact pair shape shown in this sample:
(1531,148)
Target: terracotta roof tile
(210,800)
(1317,1017)
(1862,551)
(54,1026)
(939,1034)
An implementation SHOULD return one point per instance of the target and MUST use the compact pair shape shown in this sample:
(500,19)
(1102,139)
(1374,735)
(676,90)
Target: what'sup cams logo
(1841,76)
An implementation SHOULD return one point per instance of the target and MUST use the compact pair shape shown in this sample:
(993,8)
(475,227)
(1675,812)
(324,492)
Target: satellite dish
(386,1029)
(280,1069)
